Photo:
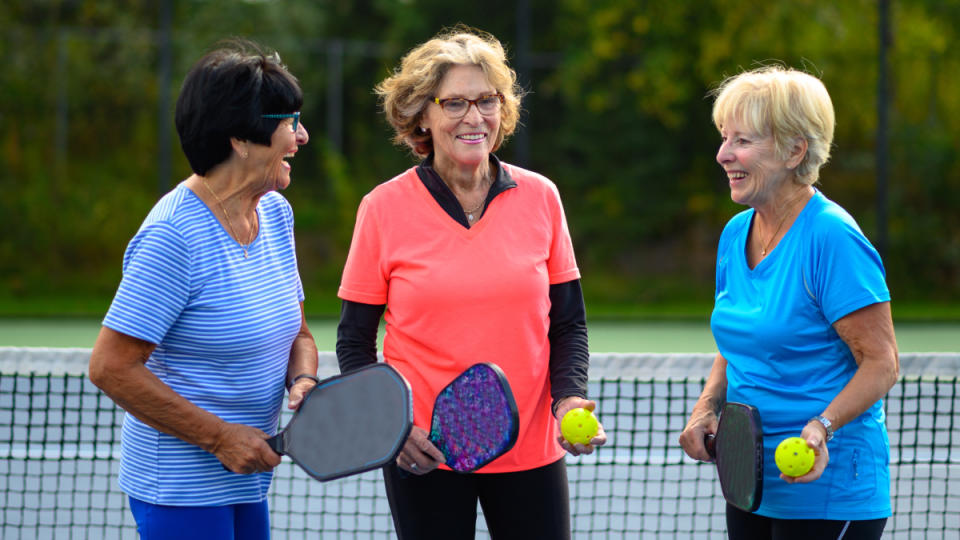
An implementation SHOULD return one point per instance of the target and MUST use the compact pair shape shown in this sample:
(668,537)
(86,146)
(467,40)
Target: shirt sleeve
(562,264)
(848,272)
(155,286)
(569,349)
(364,278)
(357,335)
(288,220)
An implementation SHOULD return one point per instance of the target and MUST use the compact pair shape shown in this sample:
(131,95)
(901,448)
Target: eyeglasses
(457,107)
(295,116)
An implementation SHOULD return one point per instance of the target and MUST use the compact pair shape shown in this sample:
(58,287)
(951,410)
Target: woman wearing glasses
(471,261)
(206,330)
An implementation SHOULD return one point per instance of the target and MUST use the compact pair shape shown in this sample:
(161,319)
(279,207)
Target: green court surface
(620,336)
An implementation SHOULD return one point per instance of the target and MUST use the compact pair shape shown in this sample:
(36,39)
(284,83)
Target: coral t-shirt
(458,296)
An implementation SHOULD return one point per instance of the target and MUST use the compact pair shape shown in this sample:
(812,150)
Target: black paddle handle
(710,442)
(276,443)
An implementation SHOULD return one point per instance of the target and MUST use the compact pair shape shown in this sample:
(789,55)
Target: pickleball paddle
(349,423)
(737,449)
(475,418)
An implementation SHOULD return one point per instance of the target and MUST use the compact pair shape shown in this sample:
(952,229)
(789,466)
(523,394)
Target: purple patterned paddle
(475,418)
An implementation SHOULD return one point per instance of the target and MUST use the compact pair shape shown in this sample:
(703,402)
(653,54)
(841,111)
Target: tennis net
(59,452)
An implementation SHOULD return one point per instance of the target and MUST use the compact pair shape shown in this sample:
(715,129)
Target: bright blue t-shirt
(773,325)
(223,325)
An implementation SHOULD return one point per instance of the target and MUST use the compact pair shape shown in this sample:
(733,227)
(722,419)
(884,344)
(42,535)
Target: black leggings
(524,505)
(747,526)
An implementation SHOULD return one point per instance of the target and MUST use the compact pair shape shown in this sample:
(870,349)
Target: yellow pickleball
(579,426)
(794,457)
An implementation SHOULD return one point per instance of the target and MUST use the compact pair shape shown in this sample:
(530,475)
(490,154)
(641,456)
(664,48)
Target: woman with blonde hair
(471,261)
(801,317)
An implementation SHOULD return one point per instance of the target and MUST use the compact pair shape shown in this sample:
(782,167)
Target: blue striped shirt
(223,325)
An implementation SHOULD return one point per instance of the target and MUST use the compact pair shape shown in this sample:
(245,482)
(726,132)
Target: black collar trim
(448,201)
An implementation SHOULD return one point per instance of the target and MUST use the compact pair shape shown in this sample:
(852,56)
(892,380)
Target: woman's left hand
(566,405)
(419,455)
(868,332)
(813,434)
(298,391)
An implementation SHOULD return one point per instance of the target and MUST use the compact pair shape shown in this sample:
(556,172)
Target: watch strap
(313,378)
(827,424)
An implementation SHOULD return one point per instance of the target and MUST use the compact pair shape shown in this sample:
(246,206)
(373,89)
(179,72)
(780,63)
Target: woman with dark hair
(206,330)
(471,260)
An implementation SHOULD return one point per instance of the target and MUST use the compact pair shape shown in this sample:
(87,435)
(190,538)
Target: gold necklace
(473,211)
(763,249)
(487,182)
(229,222)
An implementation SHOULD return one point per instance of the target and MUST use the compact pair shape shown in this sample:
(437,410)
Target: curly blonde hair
(785,103)
(406,93)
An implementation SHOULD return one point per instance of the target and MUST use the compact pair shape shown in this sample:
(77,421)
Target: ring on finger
(413,466)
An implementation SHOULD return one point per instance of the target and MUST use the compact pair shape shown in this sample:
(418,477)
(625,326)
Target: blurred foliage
(618,115)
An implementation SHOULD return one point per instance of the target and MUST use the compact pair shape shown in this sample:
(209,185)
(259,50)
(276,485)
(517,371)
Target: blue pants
(246,521)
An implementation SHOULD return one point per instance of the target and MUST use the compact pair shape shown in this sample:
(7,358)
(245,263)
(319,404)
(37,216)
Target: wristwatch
(827,425)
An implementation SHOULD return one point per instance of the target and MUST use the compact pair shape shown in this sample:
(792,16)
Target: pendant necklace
(229,222)
(764,248)
(470,213)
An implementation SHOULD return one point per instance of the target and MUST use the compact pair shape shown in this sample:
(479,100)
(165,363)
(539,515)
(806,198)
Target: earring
(422,130)
(244,155)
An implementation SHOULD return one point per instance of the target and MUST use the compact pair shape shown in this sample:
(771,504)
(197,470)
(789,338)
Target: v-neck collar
(798,222)
(444,197)
(215,222)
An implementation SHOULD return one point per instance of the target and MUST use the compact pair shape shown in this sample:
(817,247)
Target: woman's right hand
(705,416)
(419,455)
(701,424)
(244,449)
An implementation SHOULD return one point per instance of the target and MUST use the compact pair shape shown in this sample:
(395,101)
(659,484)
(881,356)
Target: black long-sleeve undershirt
(567,334)
(569,350)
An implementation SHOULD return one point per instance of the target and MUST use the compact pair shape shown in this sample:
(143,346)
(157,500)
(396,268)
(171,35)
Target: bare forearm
(118,367)
(703,417)
(303,357)
(714,393)
(869,384)
(869,334)
(138,391)
(303,352)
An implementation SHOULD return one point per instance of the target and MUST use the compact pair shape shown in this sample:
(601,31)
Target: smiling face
(284,143)
(754,170)
(462,143)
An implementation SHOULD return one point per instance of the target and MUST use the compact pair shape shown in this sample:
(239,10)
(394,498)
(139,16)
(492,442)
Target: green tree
(618,115)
